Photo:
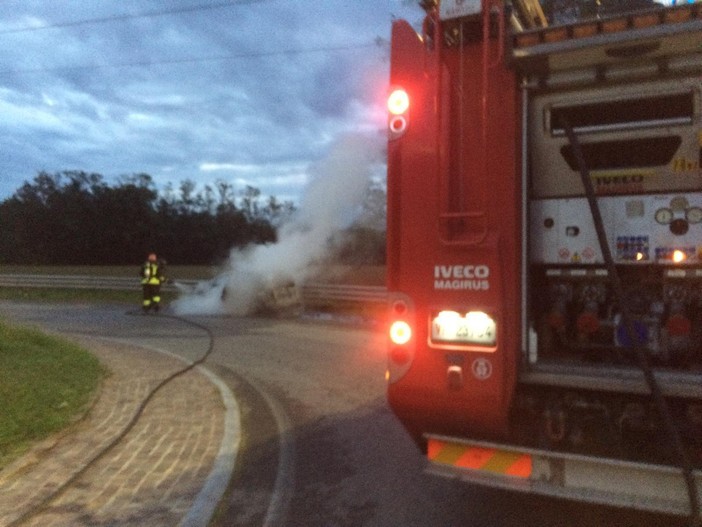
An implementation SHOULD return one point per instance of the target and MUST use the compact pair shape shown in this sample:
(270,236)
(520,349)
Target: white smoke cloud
(332,201)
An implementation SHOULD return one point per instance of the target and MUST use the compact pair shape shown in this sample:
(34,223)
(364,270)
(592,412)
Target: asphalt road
(320,446)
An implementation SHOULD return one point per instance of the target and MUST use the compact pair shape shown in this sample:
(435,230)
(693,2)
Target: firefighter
(152,276)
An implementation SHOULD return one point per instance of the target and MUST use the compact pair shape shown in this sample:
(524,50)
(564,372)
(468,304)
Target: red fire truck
(545,248)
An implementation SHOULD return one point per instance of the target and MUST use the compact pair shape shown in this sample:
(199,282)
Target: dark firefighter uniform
(151,279)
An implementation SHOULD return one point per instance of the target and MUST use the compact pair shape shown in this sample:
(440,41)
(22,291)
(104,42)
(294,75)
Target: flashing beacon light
(398,107)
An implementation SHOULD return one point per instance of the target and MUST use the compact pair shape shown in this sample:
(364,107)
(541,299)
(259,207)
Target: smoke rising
(331,202)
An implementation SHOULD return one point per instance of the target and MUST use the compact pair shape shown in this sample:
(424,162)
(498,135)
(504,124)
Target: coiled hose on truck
(634,337)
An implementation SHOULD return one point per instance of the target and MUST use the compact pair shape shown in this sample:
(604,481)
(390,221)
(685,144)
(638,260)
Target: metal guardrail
(310,292)
(344,293)
(53,281)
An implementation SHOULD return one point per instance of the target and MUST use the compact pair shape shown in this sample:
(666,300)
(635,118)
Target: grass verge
(45,383)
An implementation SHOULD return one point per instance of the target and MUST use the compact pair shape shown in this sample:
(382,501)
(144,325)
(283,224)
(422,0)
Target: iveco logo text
(470,277)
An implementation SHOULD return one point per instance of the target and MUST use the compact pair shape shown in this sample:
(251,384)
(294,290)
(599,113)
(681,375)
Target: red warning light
(400,332)
(398,101)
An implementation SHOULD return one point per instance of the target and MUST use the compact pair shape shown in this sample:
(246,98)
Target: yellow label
(683,164)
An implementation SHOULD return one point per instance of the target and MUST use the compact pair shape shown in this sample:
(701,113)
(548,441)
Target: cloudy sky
(245,91)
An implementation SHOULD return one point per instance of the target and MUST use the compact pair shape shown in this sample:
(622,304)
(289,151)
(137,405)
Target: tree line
(76,218)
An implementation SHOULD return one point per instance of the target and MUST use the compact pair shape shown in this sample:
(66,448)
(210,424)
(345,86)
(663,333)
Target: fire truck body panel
(607,481)
(452,240)
(562,231)
(637,138)
(510,357)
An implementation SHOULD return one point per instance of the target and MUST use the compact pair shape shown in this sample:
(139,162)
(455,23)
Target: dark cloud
(250,92)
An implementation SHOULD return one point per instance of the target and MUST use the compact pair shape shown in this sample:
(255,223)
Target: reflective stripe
(480,458)
(150,274)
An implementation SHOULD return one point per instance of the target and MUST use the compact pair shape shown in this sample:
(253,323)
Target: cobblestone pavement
(153,476)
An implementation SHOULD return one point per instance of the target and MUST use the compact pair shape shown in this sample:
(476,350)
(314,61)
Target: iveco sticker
(618,184)
(681,164)
(467,277)
(481,368)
